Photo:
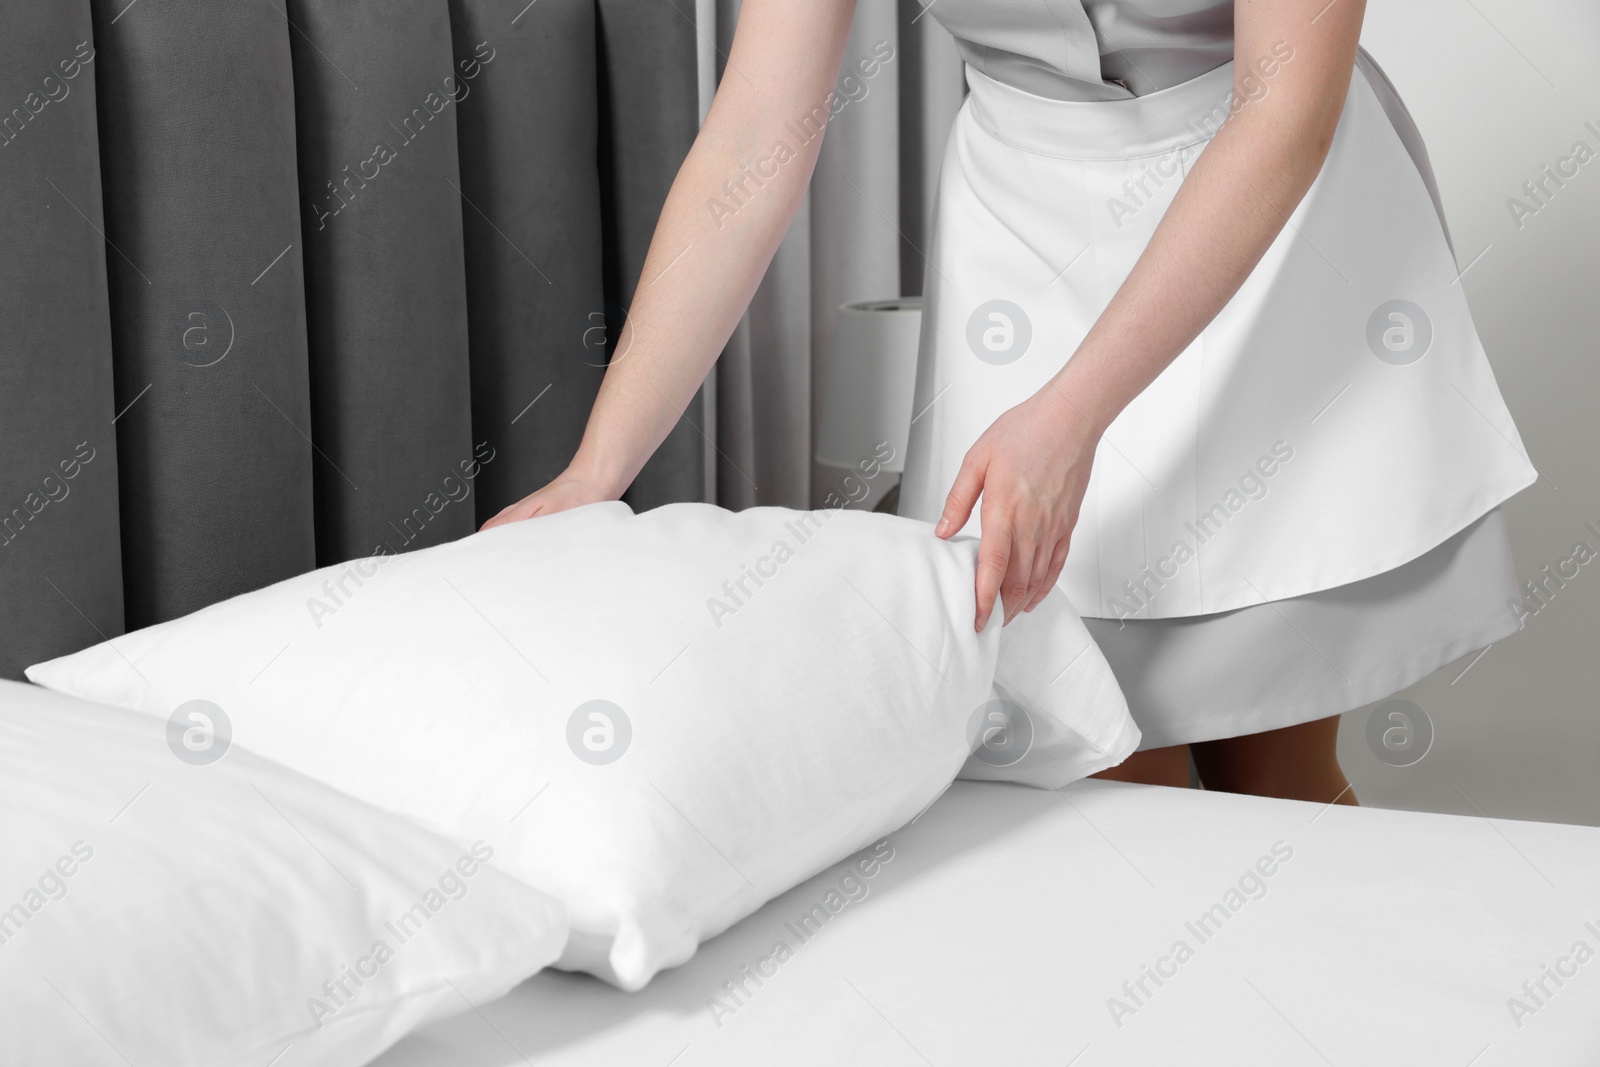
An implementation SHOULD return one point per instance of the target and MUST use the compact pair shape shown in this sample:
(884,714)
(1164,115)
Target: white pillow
(159,909)
(663,720)
(1057,714)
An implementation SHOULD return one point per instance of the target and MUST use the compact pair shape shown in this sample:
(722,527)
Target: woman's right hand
(569,490)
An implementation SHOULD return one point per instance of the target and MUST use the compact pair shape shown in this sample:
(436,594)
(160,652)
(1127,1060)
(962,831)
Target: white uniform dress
(1301,514)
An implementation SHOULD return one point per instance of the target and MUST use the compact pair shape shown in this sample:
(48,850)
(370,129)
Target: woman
(1276,450)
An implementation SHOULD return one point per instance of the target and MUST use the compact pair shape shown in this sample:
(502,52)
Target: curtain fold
(855,200)
(530,185)
(377,91)
(60,555)
(197,153)
(933,85)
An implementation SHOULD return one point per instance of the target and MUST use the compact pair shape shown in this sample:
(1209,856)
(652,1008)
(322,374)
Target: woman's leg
(1153,766)
(1296,763)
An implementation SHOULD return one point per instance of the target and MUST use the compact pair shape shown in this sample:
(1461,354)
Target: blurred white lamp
(868,398)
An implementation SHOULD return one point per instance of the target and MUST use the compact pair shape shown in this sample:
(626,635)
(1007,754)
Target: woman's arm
(702,269)
(1032,465)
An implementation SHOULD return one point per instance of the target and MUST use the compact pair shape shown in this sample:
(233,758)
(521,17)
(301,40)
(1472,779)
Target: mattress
(1116,924)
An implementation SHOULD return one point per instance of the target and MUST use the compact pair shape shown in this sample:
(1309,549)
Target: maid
(1194,348)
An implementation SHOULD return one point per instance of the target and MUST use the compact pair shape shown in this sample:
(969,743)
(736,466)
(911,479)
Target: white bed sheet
(1009,917)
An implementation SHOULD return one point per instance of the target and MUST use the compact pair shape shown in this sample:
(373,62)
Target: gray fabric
(1406,127)
(268,355)
(855,204)
(197,149)
(764,386)
(1081,50)
(1072,50)
(60,561)
(932,88)
(648,119)
(531,186)
(376,98)
(1292,661)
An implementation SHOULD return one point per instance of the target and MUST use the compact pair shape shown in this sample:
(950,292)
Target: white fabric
(1279,450)
(784,687)
(1058,713)
(1005,920)
(1292,661)
(154,911)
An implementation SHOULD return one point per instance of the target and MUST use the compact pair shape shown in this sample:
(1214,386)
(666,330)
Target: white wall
(1501,88)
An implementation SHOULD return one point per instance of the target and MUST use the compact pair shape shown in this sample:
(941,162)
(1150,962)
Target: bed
(1015,926)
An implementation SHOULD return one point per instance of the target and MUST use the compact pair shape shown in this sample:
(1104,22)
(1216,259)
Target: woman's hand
(1031,467)
(570,489)
(1033,464)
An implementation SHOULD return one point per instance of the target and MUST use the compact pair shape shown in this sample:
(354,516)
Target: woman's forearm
(705,262)
(1230,208)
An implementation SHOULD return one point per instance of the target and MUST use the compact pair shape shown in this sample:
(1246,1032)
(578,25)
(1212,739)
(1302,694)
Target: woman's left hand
(1031,468)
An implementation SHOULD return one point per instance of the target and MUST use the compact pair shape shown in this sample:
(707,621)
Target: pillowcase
(159,905)
(663,720)
(1057,713)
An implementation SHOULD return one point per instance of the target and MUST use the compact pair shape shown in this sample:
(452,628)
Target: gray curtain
(291,282)
(860,235)
(60,542)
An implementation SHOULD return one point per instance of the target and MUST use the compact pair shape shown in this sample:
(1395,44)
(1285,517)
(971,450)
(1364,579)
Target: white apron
(1337,419)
